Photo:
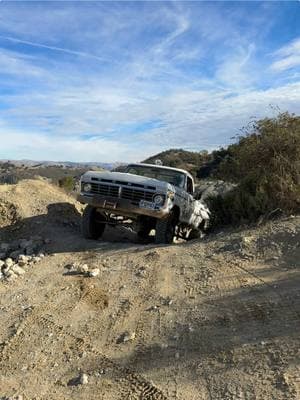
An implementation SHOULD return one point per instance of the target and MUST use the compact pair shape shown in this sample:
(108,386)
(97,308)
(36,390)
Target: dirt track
(213,319)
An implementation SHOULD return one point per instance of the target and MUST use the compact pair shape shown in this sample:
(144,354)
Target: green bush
(67,183)
(265,163)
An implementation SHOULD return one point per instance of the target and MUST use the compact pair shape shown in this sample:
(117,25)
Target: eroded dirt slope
(211,319)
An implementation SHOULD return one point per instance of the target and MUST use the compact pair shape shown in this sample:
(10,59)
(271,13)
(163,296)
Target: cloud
(53,48)
(289,57)
(91,88)
(13,63)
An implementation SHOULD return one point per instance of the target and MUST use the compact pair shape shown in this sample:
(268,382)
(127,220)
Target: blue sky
(119,81)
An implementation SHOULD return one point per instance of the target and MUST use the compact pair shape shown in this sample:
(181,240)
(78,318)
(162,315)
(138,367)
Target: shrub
(265,163)
(67,183)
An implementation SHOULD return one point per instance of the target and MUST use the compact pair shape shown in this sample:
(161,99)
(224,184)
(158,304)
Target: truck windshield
(176,178)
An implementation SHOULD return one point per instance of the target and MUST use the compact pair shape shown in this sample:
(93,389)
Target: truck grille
(105,190)
(135,195)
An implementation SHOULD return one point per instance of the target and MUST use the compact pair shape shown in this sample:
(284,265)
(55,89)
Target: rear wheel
(144,228)
(92,223)
(194,234)
(165,229)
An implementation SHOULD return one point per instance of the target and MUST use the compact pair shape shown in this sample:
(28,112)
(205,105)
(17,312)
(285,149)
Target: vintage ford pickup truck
(147,196)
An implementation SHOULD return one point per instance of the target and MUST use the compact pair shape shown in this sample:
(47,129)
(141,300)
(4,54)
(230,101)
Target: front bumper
(121,206)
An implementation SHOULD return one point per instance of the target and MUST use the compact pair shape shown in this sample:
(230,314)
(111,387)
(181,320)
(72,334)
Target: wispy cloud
(89,79)
(289,56)
(53,48)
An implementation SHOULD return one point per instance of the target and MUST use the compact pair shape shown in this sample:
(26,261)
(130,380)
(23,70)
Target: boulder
(9,262)
(17,270)
(207,189)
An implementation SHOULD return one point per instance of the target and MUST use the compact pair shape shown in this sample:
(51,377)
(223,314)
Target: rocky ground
(216,318)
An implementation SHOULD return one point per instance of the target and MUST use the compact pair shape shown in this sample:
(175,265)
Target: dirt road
(212,319)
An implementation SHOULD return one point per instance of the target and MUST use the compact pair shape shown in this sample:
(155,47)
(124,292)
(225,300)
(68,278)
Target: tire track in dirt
(38,319)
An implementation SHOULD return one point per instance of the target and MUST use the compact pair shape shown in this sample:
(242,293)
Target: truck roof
(162,166)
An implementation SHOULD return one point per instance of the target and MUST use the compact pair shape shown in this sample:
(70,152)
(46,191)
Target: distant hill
(179,158)
(61,164)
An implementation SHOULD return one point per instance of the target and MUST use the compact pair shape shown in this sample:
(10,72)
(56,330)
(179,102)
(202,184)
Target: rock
(2,263)
(36,259)
(10,275)
(212,189)
(83,379)
(126,337)
(83,269)
(94,272)
(246,240)
(153,308)
(141,272)
(1,276)
(5,271)
(167,301)
(9,262)
(17,270)
(41,255)
(23,260)
(70,267)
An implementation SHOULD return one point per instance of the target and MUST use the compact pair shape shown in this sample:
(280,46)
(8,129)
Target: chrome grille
(117,191)
(105,190)
(136,195)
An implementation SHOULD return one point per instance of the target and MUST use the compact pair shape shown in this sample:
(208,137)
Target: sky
(111,81)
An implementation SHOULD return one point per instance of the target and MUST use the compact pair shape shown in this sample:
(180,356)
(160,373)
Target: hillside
(216,318)
(178,158)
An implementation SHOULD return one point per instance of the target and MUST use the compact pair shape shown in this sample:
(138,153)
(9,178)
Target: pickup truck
(146,196)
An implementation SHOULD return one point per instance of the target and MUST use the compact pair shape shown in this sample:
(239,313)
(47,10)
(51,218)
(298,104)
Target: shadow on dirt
(61,225)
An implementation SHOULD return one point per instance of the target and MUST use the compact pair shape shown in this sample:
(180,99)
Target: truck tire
(91,225)
(194,234)
(143,230)
(165,229)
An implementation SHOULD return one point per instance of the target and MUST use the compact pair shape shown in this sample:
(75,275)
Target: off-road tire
(91,223)
(143,230)
(165,229)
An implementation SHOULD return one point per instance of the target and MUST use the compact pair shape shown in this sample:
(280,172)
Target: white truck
(149,197)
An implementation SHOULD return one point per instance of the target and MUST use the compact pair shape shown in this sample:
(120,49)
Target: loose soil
(214,319)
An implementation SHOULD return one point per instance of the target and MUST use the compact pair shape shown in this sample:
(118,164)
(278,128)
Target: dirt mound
(33,206)
(31,197)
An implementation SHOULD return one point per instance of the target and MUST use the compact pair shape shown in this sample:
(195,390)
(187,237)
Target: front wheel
(165,229)
(92,223)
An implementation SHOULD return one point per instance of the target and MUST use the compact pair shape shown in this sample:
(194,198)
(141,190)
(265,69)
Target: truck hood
(124,177)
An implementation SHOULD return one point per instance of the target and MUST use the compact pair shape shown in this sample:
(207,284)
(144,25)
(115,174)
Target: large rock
(206,189)
(17,270)
(9,262)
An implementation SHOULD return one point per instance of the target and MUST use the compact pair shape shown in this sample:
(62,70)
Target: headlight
(87,187)
(159,199)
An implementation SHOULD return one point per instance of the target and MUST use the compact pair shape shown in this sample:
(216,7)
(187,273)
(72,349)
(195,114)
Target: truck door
(190,200)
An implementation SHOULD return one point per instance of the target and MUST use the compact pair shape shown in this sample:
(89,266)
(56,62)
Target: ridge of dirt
(216,318)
